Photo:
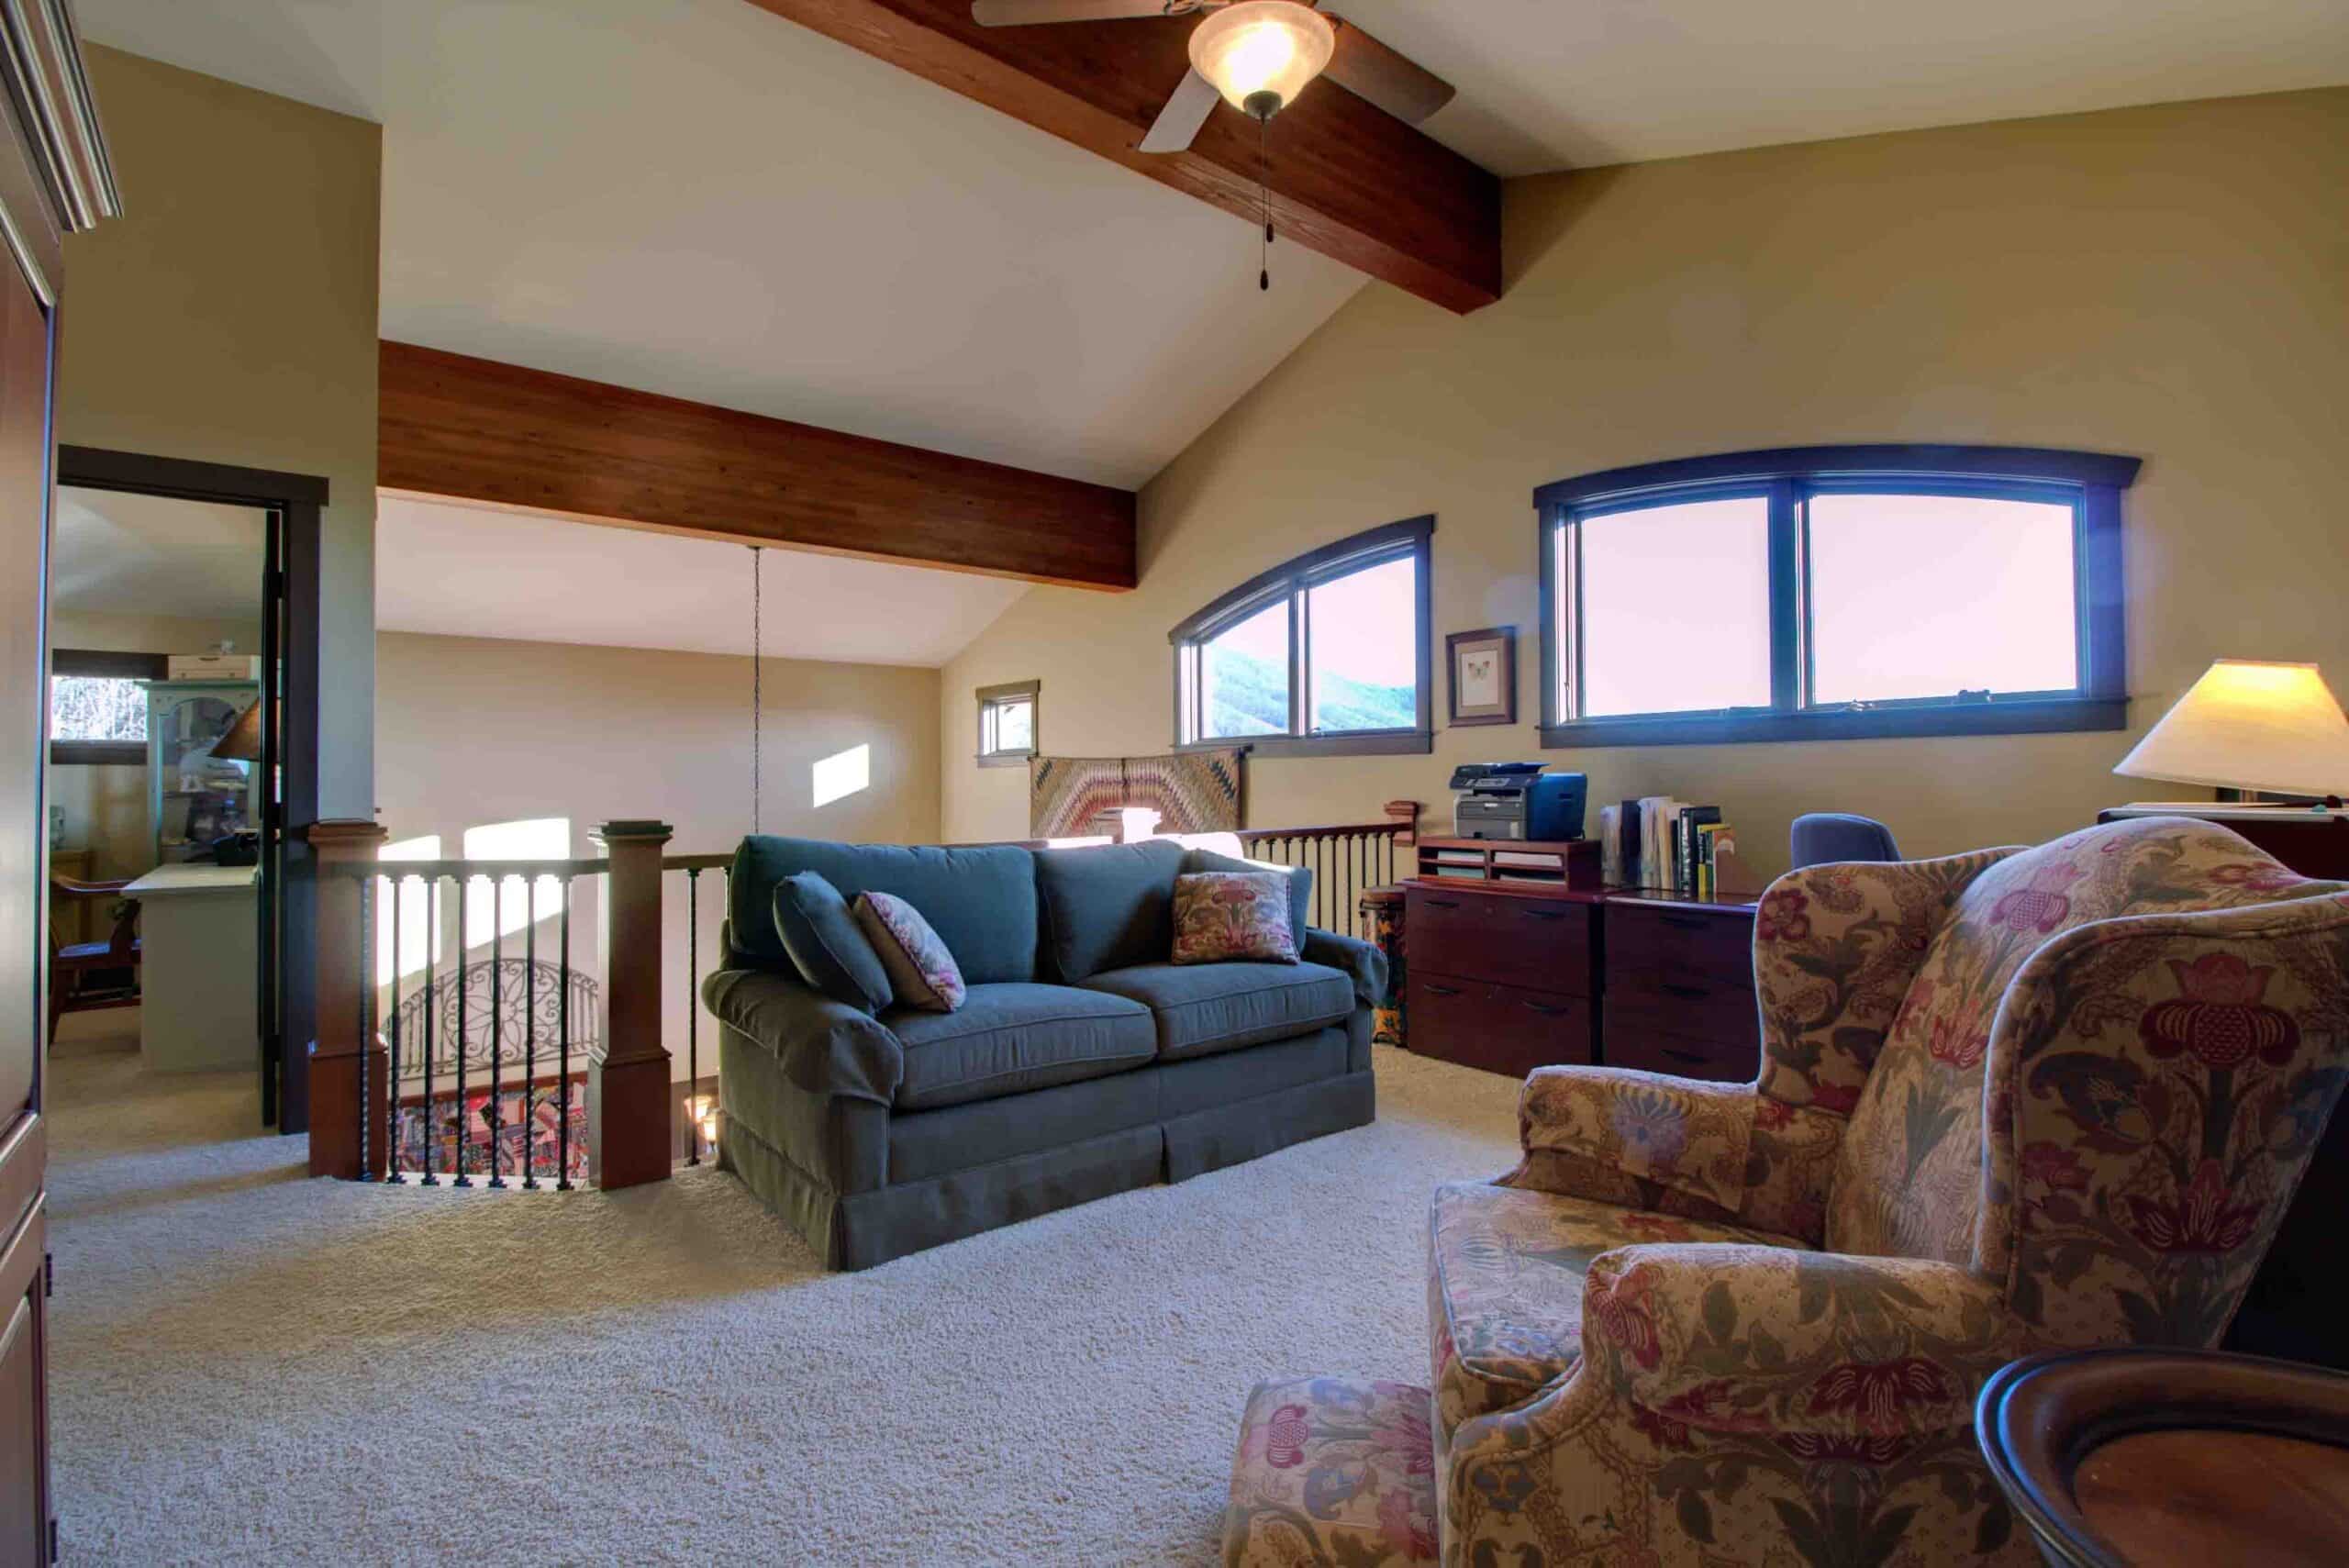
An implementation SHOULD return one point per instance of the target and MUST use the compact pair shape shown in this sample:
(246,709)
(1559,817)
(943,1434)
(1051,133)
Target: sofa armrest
(1718,1152)
(826,1047)
(1775,1340)
(1353,957)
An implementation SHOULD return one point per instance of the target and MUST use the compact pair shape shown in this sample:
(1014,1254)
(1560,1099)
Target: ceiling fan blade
(1370,70)
(1185,113)
(1026,12)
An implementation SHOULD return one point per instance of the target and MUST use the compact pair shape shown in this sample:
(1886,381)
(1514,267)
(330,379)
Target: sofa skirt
(831,1170)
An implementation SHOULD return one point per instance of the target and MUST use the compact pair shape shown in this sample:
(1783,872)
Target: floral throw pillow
(921,972)
(1221,916)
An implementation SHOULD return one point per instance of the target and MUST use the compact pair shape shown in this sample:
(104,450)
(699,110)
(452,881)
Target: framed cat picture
(1484,676)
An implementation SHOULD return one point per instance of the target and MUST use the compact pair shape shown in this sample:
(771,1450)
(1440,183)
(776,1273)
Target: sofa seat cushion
(1202,1008)
(1505,1286)
(1014,1036)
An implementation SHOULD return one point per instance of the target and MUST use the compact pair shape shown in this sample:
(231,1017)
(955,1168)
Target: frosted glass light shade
(1262,53)
(2246,725)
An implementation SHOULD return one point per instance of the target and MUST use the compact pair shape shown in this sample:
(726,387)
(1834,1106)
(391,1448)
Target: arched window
(1325,655)
(1830,593)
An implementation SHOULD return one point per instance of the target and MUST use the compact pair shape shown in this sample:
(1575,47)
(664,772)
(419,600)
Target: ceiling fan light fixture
(1260,53)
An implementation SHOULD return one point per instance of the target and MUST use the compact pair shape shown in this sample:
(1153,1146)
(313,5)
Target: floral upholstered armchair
(2008,1101)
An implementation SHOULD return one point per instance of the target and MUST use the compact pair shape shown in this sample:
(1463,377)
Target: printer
(1517,800)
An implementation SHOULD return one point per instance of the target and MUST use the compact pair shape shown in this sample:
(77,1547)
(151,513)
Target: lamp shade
(2246,725)
(243,743)
(1260,53)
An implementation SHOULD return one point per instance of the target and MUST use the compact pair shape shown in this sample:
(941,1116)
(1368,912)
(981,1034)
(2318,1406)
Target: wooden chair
(72,964)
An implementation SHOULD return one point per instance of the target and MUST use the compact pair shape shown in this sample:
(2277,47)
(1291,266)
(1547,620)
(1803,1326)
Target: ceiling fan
(1255,54)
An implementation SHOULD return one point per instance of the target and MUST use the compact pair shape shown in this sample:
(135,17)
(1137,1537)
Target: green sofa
(1083,1064)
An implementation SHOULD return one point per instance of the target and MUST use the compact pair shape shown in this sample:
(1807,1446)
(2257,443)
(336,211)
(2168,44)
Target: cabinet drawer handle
(1443,904)
(1435,990)
(1547,1011)
(1692,992)
(1545,914)
(1685,922)
(1695,1057)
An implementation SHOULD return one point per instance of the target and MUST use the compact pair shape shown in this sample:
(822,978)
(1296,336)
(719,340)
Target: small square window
(1007,724)
(97,705)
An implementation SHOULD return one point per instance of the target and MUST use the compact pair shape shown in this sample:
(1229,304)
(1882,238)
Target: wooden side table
(2145,1457)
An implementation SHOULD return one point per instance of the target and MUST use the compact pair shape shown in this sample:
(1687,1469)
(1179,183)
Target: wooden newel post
(629,1130)
(345,1055)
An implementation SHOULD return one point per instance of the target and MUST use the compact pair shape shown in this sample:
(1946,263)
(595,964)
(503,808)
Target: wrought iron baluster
(366,1044)
(465,1149)
(562,1051)
(497,1117)
(692,1014)
(392,1089)
(431,1016)
(1349,854)
(529,1031)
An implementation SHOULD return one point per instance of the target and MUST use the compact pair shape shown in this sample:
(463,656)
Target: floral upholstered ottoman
(1333,1472)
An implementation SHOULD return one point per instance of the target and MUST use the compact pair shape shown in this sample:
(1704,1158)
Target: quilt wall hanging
(1192,792)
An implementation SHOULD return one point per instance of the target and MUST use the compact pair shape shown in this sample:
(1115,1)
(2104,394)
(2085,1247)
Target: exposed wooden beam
(1347,180)
(454,428)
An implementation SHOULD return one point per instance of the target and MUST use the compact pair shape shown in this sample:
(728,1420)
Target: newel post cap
(633,830)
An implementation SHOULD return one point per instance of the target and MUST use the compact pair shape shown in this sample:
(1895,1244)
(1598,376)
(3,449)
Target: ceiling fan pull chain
(1264,202)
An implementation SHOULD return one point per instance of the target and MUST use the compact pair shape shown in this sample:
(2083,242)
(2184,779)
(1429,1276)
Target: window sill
(2040,717)
(1367,743)
(1006,759)
(98,754)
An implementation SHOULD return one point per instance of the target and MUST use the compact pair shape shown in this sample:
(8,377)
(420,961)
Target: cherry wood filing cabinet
(1509,979)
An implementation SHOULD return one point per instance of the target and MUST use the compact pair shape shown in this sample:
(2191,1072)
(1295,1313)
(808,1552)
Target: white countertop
(167,880)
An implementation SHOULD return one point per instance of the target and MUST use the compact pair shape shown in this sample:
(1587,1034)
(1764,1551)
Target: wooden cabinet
(1679,990)
(1501,980)
(1511,978)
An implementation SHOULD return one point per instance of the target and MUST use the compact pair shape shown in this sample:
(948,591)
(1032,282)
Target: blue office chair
(1832,836)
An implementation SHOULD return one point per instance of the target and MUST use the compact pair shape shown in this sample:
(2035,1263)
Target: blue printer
(1517,800)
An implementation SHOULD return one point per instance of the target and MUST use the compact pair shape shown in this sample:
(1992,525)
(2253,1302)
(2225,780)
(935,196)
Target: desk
(1510,975)
(199,967)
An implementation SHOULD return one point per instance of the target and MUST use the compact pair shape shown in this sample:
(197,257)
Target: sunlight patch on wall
(418,926)
(841,774)
(532,839)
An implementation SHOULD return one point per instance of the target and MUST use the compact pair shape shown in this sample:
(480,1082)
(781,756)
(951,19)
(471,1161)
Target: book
(1691,820)
(1610,845)
(1709,835)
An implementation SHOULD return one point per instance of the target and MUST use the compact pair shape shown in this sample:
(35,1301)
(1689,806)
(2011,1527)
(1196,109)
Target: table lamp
(2247,725)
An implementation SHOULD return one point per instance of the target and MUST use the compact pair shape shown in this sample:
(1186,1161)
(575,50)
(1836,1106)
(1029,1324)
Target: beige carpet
(250,1366)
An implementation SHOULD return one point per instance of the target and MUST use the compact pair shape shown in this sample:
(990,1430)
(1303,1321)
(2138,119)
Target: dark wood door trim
(292,593)
(451,427)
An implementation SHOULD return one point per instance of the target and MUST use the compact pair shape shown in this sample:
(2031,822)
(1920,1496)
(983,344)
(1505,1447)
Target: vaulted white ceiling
(696,197)
(699,198)
(472,572)
(1568,84)
(115,553)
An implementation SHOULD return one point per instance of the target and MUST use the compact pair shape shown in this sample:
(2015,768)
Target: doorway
(227,749)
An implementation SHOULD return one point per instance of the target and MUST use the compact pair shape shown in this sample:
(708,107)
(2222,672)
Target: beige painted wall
(2164,282)
(228,316)
(471,732)
(104,804)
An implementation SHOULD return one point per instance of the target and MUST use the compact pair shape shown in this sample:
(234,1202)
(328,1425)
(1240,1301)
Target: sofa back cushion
(980,901)
(1910,1178)
(1106,906)
(1300,885)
